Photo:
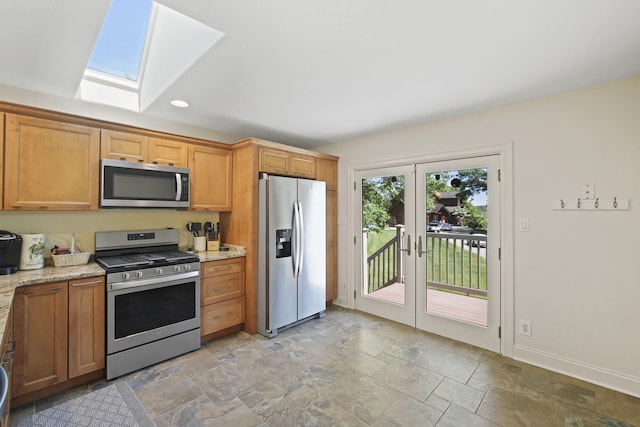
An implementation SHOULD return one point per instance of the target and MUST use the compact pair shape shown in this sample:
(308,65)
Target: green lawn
(377,240)
(379,275)
(456,275)
(438,261)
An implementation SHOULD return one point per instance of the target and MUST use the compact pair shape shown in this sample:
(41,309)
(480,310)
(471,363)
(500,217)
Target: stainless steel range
(153,298)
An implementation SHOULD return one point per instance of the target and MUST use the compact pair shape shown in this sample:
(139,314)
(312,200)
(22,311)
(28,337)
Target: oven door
(151,309)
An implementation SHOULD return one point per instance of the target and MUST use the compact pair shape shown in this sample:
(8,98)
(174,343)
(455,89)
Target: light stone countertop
(8,283)
(233,252)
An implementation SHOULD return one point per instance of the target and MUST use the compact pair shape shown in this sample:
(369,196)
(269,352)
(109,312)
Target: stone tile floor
(352,369)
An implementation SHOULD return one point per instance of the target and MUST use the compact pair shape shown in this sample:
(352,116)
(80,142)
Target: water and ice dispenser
(283,243)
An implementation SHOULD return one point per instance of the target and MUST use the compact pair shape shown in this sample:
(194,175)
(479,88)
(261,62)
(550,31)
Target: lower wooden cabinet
(222,292)
(59,331)
(86,326)
(40,329)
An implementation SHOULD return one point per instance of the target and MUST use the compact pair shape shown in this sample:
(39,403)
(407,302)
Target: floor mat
(114,405)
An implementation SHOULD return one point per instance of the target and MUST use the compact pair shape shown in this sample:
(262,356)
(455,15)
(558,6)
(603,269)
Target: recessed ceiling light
(179,103)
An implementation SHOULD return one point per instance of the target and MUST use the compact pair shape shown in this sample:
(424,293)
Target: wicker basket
(65,260)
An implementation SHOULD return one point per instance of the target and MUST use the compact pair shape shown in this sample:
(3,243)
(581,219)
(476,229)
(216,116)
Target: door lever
(420,251)
(408,249)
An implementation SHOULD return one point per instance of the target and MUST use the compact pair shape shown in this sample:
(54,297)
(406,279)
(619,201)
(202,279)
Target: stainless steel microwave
(142,185)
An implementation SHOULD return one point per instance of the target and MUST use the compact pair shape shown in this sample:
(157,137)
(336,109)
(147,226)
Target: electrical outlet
(524,224)
(524,326)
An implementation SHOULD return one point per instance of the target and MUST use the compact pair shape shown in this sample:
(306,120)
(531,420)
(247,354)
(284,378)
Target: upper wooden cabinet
(141,148)
(50,165)
(124,146)
(167,152)
(211,174)
(287,163)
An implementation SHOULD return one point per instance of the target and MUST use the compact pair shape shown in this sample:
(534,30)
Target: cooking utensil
(208,229)
(196,227)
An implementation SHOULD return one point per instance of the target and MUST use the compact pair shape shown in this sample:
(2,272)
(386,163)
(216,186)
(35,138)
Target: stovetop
(132,261)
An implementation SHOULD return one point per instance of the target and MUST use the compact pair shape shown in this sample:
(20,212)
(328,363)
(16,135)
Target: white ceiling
(309,73)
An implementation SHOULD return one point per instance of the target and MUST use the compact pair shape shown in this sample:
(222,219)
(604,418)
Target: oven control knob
(125,276)
(176,268)
(158,271)
(187,267)
(139,274)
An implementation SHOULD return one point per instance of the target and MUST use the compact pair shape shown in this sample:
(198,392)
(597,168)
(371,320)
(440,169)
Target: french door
(429,247)
(386,226)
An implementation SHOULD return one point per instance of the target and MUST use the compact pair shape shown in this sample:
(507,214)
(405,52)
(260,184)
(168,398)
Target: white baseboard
(574,368)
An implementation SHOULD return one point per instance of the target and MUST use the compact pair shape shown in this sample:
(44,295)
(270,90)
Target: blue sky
(119,47)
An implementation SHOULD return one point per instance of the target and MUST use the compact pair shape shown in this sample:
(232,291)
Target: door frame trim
(505,161)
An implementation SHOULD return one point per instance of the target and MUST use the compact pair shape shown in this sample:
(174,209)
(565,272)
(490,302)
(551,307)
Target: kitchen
(208,204)
(576,329)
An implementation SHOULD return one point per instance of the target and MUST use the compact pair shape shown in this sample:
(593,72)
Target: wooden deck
(453,306)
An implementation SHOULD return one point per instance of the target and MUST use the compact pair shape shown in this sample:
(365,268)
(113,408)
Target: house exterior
(446,204)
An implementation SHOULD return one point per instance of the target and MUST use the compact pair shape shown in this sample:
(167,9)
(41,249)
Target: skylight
(120,45)
(140,53)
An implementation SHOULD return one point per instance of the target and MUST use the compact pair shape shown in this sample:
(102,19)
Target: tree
(472,181)
(436,183)
(378,195)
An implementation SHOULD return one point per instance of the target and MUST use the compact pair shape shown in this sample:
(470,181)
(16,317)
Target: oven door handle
(152,281)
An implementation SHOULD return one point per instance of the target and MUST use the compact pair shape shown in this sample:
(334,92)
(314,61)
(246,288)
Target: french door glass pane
(456,244)
(383,229)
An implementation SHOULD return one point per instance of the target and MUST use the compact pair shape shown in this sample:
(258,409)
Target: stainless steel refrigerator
(292,252)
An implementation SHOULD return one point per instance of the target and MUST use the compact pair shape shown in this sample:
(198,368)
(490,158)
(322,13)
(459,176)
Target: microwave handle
(178,187)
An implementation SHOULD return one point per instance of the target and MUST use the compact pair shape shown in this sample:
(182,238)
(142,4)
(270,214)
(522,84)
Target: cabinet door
(40,330)
(50,165)
(284,163)
(86,325)
(168,153)
(211,170)
(274,161)
(303,166)
(124,146)
(332,245)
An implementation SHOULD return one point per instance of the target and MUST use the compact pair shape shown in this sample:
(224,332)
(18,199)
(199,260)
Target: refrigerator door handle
(296,239)
(301,239)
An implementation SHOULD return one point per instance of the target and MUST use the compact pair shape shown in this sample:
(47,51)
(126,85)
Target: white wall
(576,274)
(111,114)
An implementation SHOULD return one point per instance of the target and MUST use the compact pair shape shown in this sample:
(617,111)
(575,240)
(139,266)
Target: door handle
(408,249)
(420,251)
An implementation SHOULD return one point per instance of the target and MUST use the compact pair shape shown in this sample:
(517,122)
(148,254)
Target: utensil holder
(213,245)
(200,243)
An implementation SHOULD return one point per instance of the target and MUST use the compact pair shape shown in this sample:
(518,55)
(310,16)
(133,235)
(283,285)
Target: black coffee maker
(10,250)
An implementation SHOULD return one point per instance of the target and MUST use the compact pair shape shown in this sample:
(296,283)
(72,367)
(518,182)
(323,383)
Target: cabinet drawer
(221,288)
(219,268)
(222,315)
